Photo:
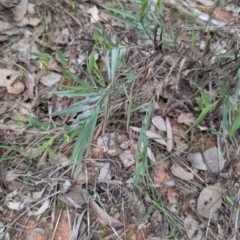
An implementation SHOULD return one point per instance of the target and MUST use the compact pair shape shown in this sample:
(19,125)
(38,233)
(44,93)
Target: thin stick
(208,225)
(57,224)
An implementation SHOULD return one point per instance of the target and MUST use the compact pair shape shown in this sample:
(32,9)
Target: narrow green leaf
(87,101)
(73,110)
(92,122)
(141,107)
(79,147)
(135,25)
(81,117)
(224,55)
(91,62)
(202,115)
(15,149)
(105,107)
(116,55)
(114,61)
(42,148)
(96,36)
(159,5)
(42,56)
(61,58)
(100,80)
(143,9)
(141,153)
(107,41)
(235,125)
(79,92)
(237,91)
(122,12)
(84,140)
(229,200)
(72,76)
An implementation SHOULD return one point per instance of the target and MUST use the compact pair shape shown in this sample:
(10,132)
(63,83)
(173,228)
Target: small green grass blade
(122,12)
(61,58)
(42,56)
(84,139)
(202,115)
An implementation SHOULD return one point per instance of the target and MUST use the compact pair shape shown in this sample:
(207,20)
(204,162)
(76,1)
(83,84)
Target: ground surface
(181,186)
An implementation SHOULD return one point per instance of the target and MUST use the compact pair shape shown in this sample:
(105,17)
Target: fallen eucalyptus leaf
(102,216)
(209,201)
(159,123)
(196,161)
(156,137)
(179,172)
(214,161)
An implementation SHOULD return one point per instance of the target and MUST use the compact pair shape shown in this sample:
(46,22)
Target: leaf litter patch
(105,180)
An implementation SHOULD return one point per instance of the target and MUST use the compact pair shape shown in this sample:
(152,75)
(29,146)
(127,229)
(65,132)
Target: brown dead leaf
(94,14)
(60,159)
(104,141)
(126,144)
(74,197)
(150,155)
(127,158)
(9,4)
(180,144)
(179,172)
(104,173)
(18,198)
(103,17)
(159,173)
(159,123)
(7,77)
(5,26)
(30,84)
(97,153)
(209,201)
(214,159)
(88,174)
(172,196)
(196,161)
(16,88)
(217,13)
(102,216)
(45,205)
(50,79)
(186,118)
(192,228)
(59,37)
(10,175)
(20,10)
(31,21)
(65,186)
(138,209)
(25,46)
(114,150)
(156,137)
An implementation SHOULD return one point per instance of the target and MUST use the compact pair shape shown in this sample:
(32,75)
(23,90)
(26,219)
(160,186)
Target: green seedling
(202,102)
